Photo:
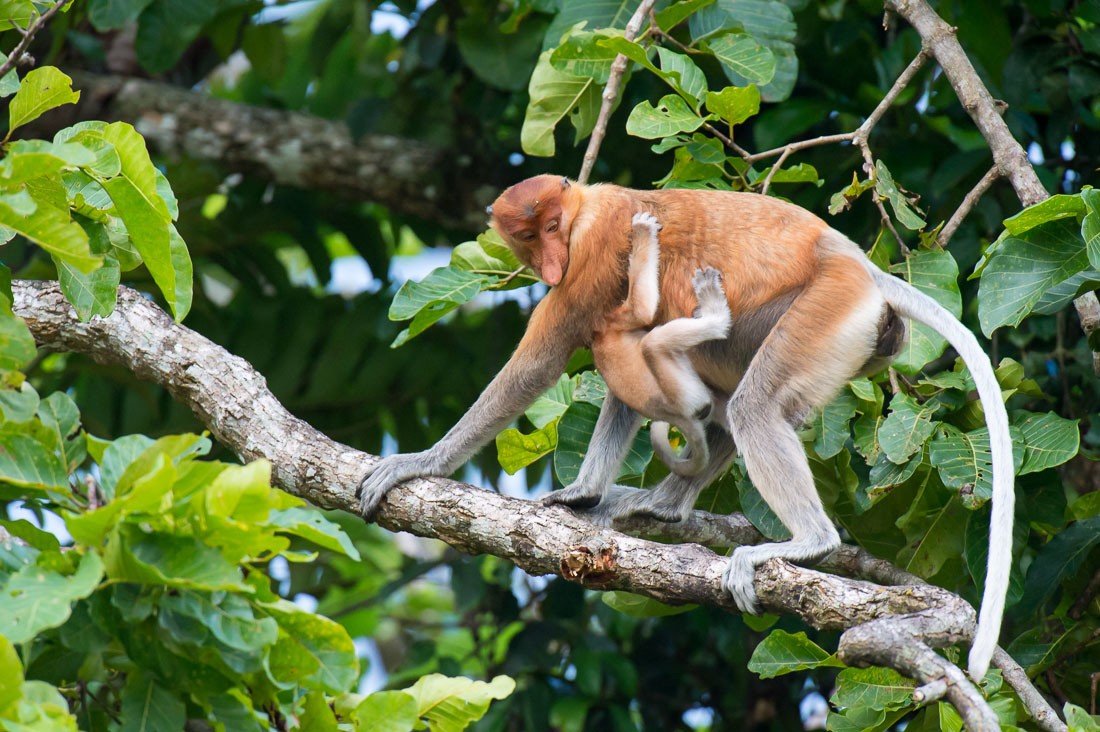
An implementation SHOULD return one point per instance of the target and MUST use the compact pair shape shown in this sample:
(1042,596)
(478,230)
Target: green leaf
(90,294)
(489,255)
(1056,207)
(36,599)
(741,54)
(1058,559)
(60,422)
(166,28)
(594,13)
(905,430)
(677,13)
(386,711)
(443,290)
(575,432)
(41,90)
(907,214)
(317,715)
(801,173)
(326,641)
(936,274)
(117,457)
(108,14)
(553,96)
(17,403)
(288,663)
(229,618)
(874,688)
(1079,720)
(687,78)
(25,462)
(499,59)
(311,525)
(770,23)
(450,704)
(831,424)
(581,54)
(11,674)
(782,653)
(671,115)
(552,403)
(516,450)
(964,461)
(944,540)
(1065,292)
(759,513)
(734,104)
(16,342)
(1023,268)
(639,606)
(10,83)
(885,473)
(160,559)
(149,707)
(1090,225)
(51,229)
(1049,440)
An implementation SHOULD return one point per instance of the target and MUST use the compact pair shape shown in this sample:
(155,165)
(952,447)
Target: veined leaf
(671,115)
(41,90)
(555,95)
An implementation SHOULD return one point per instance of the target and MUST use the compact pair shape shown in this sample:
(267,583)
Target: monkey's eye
(527,236)
(552,227)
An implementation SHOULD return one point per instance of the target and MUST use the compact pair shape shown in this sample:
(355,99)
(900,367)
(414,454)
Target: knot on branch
(591,568)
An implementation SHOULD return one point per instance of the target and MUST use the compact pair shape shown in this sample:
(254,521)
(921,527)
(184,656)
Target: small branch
(864,130)
(611,93)
(1036,704)
(1082,602)
(968,203)
(28,35)
(801,145)
(771,173)
(727,141)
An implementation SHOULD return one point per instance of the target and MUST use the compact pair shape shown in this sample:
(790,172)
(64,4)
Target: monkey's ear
(564,182)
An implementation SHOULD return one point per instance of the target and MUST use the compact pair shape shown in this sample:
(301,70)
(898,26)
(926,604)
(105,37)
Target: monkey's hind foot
(645,223)
(574,496)
(737,579)
(708,285)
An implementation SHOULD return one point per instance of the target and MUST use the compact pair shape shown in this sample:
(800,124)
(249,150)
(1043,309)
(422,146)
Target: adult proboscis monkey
(809,313)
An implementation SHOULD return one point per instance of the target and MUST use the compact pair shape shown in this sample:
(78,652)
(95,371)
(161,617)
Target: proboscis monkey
(651,369)
(809,312)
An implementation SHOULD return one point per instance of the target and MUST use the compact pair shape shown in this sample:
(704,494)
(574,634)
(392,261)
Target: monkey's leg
(644,287)
(614,433)
(828,333)
(674,497)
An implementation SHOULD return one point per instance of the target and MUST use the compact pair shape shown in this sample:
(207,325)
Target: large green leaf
(936,274)
(552,403)
(1024,267)
(904,431)
(516,450)
(502,60)
(324,640)
(964,461)
(310,524)
(16,342)
(831,424)
(41,90)
(93,293)
(1048,439)
(18,402)
(450,704)
(1056,207)
(639,606)
(57,427)
(1090,225)
(167,27)
(740,54)
(677,70)
(782,653)
(575,432)
(671,115)
(443,290)
(770,23)
(36,599)
(904,209)
(386,711)
(51,229)
(228,617)
(553,96)
(26,462)
(160,559)
(108,14)
(758,512)
(149,707)
(582,54)
(874,688)
(734,104)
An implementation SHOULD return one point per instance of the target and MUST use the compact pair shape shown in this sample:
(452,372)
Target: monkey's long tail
(686,466)
(914,304)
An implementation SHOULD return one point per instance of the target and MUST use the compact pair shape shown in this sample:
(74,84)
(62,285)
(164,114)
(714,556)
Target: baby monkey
(668,390)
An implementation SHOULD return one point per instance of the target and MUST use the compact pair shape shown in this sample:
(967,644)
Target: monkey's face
(530,219)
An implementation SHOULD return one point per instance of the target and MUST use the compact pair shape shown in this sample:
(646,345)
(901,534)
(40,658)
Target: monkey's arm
(537,363)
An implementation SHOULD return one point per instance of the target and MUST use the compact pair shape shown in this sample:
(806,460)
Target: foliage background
(269,266)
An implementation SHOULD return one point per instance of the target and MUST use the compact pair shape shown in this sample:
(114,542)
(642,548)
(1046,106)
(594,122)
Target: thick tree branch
(232,399)
(291,148)
(1009,156)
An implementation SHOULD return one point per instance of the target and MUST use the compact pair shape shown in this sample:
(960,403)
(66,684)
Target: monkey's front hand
(737,580)
(644,222)
(387,473)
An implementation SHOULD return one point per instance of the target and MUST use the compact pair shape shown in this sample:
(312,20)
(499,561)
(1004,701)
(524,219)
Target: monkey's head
(533,217)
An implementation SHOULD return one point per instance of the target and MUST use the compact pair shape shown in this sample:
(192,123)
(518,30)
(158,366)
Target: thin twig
(611,93)
(727,141)
(968,203)
(771,173)
(1082,602)
(1056,688)
(28,36)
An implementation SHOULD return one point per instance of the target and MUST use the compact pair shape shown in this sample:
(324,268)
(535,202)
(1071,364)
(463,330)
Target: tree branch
(232,399)
(969,202)
(290,148)
(1009,156)
(611,93)
(28,35)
